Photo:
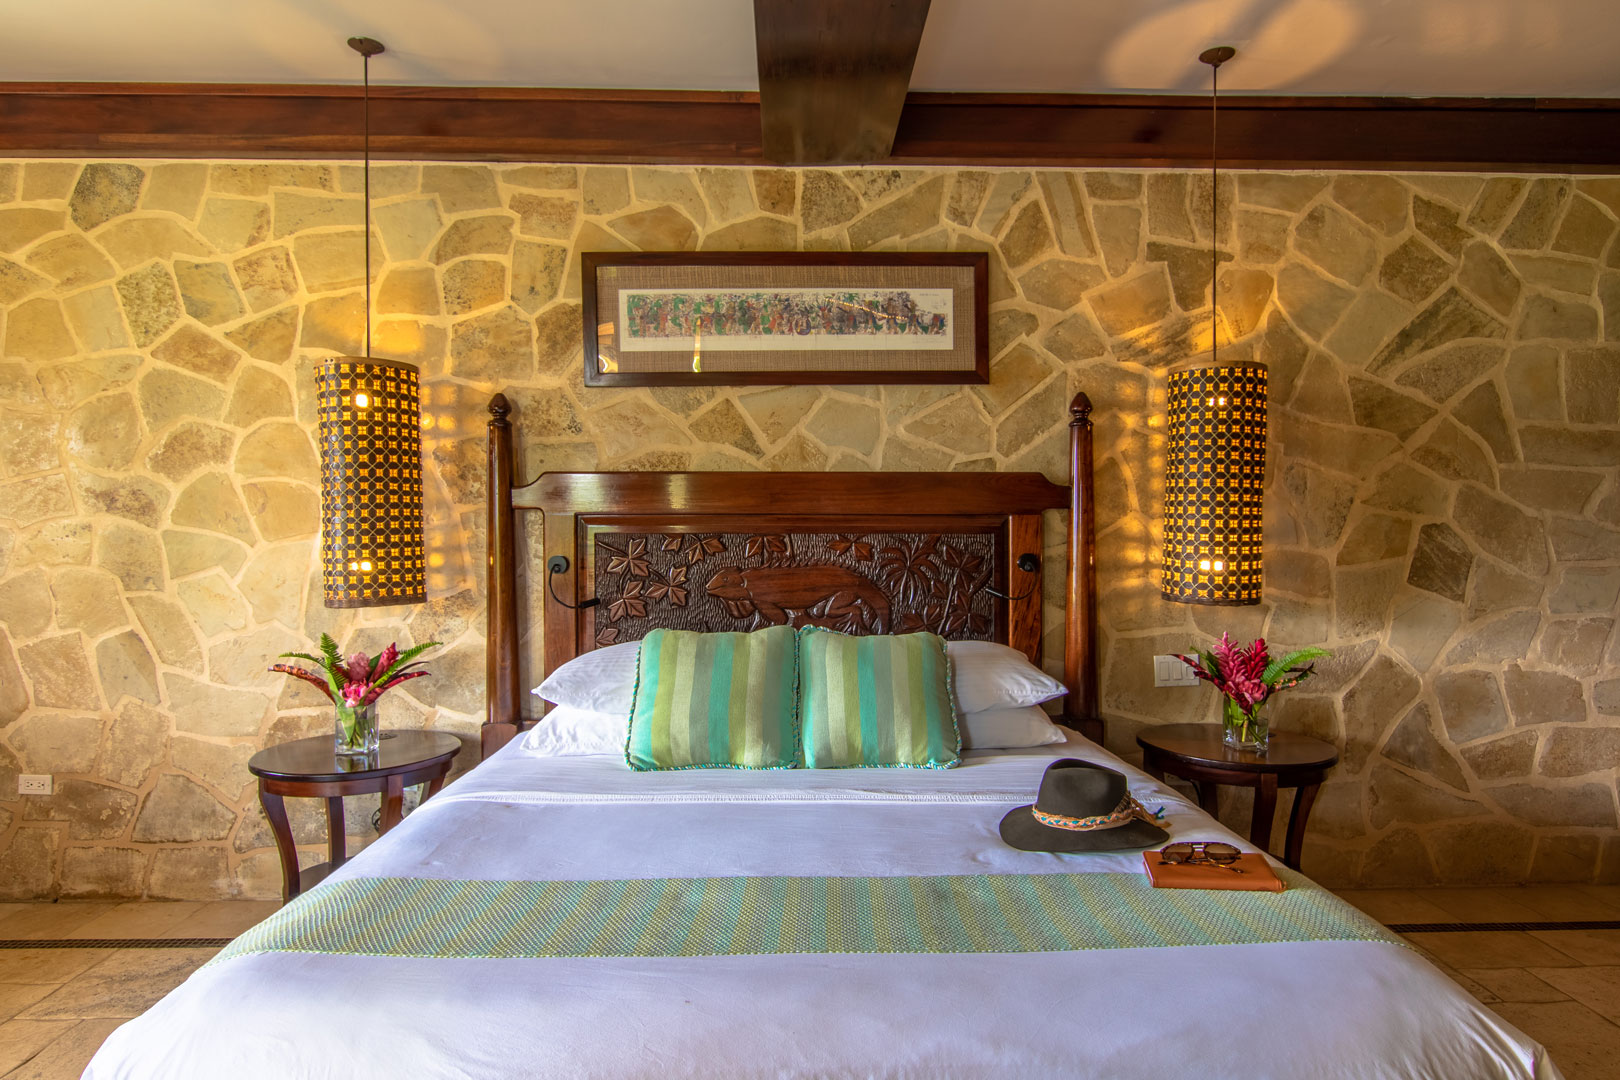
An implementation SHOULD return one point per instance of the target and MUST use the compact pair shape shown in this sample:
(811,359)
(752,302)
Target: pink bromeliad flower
(359,679)
(1247,674)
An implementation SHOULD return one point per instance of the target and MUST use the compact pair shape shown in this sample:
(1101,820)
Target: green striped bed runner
(736,916)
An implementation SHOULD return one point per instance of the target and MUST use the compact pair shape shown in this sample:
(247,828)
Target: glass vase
(354,732)
(1244,729)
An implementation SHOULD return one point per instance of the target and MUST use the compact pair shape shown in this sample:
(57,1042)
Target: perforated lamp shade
(371,483)
(1215,485)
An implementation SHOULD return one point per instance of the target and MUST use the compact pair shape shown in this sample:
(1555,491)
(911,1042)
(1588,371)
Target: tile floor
(1562,987)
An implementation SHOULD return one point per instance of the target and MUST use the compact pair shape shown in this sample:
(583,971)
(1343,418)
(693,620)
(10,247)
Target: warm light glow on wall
(1215,485)
(371,483)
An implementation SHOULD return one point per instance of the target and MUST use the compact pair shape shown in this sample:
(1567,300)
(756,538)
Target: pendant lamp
(1214,485)
(370,418)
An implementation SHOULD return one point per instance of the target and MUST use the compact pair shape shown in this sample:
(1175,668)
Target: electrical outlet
(33,785)
(1170,671)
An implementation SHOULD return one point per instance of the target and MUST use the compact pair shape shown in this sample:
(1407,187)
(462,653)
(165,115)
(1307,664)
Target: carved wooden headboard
(860,552)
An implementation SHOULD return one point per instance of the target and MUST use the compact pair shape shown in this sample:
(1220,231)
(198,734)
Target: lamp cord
(1214,215)
(365,67)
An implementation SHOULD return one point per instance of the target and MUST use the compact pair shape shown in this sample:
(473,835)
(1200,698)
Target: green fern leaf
(404,659)
(1278,667)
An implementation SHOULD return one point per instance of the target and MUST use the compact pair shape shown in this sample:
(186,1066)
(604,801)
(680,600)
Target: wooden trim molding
(723,128)
(1260,132)
(202,120)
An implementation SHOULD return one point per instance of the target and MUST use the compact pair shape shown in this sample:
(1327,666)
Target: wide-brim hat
(1081,806)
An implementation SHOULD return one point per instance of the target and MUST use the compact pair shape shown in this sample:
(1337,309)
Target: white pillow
(1001,729)
(602,681)
(986,676)
(992,676)
(570,732)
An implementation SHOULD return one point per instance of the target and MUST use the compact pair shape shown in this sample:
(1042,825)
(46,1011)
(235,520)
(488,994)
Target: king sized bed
(554,913)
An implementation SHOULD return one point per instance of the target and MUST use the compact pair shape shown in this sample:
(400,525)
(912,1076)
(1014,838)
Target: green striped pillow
(876,701)
(715,701)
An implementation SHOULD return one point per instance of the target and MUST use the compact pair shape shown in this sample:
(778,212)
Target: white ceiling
(1546,48)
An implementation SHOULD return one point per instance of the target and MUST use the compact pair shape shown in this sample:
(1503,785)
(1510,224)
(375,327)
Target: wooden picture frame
(785,317)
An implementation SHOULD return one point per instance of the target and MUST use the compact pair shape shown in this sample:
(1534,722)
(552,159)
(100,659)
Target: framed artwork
(730,318)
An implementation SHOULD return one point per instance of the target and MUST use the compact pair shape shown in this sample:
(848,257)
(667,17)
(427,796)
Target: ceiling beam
(119,120)
(833,76)
(1263,132)
(200,120)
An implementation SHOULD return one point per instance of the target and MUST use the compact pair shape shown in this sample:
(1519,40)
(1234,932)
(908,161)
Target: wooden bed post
(1080,644)
(501,657)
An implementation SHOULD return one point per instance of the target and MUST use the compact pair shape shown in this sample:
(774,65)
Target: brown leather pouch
(1257,874)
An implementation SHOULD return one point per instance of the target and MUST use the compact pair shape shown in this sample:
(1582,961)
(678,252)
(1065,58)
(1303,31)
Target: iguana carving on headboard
(869,583)
(827,596)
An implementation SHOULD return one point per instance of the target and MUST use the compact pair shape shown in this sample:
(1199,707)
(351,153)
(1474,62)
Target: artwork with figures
(784,318)
(858,584)
(780,317)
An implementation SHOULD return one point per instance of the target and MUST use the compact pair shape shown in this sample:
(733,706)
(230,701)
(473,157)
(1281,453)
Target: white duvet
(1324,1009)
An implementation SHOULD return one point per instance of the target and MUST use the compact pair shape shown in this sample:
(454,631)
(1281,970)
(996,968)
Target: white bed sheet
(1321,1009)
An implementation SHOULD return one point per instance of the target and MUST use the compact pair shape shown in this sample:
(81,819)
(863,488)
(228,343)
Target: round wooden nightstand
(1197,753)
(310,769)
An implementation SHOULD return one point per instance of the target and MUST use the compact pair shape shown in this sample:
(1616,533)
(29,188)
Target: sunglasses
(1203,853)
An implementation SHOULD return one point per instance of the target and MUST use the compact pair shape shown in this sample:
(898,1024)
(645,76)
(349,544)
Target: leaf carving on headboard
(865,583)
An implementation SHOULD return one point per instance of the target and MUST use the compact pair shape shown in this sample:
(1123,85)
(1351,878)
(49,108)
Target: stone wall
(1442,510)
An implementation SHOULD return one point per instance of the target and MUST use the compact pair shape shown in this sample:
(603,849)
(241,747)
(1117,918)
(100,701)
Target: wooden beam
(431,122)
(833,76)
(122,120)
(1261,132)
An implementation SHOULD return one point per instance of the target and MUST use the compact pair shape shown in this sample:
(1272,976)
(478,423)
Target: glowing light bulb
(361,399)
(1218,566)
(365,566)
(1203,564)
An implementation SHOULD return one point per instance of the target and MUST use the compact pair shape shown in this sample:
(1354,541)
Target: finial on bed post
(1079,410)
(500,567)
(1080,644)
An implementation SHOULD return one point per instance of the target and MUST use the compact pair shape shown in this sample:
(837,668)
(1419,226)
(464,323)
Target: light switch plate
(1170,671)
(28,784)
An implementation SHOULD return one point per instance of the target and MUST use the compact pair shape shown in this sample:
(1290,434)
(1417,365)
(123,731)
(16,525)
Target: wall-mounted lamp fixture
(370,418)
(1214,486)
(1028,562)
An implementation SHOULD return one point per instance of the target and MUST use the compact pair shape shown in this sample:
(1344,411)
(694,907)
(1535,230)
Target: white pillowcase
(570,732)
(567,731)
(601,681)
(993,676)
(994,684)
(1002,729)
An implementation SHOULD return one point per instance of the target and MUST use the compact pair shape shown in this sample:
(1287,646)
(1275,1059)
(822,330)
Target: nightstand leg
(1295,844)
(1209,796)
(276,811)
(1265,808)
(393,804)
(336,842)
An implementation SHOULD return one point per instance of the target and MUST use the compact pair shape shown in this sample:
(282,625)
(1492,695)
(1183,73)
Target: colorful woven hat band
(1127,810)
